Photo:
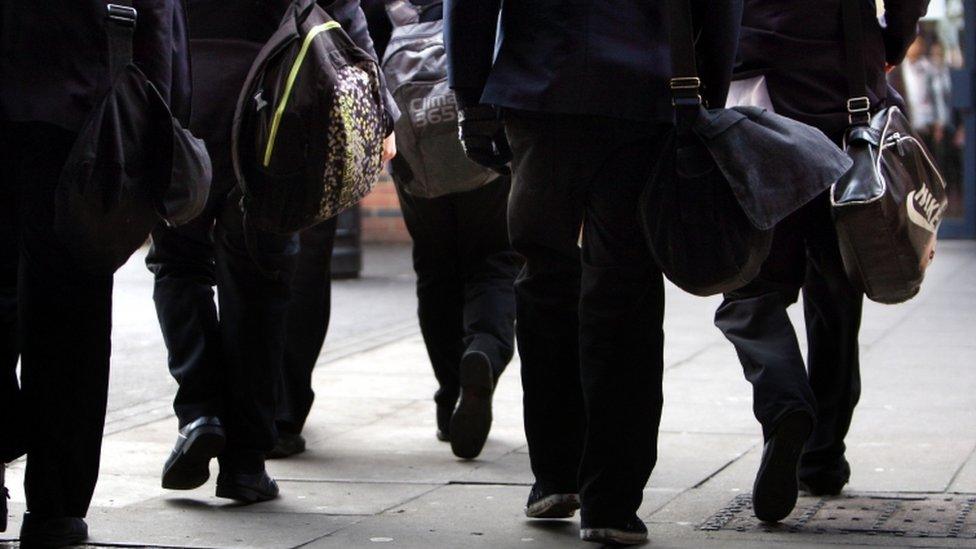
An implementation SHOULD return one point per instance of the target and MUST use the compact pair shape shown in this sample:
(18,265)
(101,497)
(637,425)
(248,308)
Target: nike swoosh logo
(915,217)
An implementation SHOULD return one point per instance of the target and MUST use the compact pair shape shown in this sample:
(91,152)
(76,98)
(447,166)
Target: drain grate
(932,516)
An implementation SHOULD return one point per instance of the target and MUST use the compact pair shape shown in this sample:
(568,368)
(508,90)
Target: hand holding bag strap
(858,102)
(120,27)
(685,83)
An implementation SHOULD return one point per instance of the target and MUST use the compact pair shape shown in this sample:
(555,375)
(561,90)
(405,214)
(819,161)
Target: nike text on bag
(430,161)
(309,126)
(131,166)
(724,179)
(888,207)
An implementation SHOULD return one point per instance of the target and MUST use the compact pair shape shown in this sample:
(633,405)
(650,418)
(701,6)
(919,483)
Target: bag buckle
(123,15)
(858,110)
(686,91)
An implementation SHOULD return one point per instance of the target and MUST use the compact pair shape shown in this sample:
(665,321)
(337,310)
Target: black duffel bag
(725,178)
(308,130)
(131,166)
(888,207)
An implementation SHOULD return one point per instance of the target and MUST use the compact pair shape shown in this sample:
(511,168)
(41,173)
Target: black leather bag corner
(724,179)
(887,208)
(131,166)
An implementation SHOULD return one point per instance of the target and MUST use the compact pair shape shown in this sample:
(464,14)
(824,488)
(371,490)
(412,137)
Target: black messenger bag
(308,130)
(725,178)
(888,207)
(131,166)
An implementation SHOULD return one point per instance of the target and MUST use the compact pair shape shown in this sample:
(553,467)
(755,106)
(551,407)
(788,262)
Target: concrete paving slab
(188,523)
(459,516)
(965,480)
(310,497)
(687,459)
(466,516)
(423,467)
(512,468)
(909,464)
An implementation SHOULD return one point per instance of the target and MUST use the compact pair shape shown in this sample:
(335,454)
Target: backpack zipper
(292,75)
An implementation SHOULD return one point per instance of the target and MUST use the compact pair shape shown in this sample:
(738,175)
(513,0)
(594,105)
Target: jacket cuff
(467,97)
(896,45)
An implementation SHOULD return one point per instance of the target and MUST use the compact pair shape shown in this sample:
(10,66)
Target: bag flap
(774,165)
(415,56)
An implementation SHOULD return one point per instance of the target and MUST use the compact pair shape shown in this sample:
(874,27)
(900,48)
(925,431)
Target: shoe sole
(612,536)
(192,469)
(471,421)
(776,488)
(556,506)
(53,541)
(821,491)
(243,495)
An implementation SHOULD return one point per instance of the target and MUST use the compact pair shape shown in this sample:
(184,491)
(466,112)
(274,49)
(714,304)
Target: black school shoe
(188,466)
(825,481)
(472,418)
(52,531)
(776,488)
(246,487)
(630,532)
(550,506)
(444,414)
(287,445)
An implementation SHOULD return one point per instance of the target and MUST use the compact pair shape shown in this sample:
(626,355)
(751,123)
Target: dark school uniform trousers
(57,319)
(590,319)
(804,255)
(307,322)
(228,364)
(465,273)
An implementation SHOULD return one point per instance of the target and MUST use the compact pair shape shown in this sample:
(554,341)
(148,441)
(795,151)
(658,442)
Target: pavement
(375,475)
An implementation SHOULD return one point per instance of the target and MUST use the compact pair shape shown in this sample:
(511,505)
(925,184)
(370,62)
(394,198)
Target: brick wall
(381,217)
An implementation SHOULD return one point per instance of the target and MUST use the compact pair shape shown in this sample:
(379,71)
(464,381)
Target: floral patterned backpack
(309,125)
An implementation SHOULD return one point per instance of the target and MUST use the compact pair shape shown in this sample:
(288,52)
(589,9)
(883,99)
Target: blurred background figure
(925,81)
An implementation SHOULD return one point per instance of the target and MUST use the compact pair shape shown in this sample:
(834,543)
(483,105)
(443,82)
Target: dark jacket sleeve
(901,20)
(717,24)
(470,28)
(349,14)
(181,89)
(380,27)
(161,50)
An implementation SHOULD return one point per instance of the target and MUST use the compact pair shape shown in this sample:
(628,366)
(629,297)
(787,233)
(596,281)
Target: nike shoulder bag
(888,207)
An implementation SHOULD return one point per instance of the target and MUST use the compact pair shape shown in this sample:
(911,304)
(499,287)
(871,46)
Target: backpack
(308,131)
(430,161)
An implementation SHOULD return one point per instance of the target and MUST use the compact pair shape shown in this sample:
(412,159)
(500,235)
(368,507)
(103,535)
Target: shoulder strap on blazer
(858,102)
(120,26)
(685,83)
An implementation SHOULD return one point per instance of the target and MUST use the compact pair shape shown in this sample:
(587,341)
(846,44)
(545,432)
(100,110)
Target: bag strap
(120,27)
(858,102)
(685,83)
